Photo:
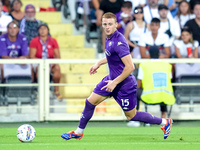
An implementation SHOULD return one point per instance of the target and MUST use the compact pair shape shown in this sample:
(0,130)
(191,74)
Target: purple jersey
(125,92)
(13,49)
(116,48)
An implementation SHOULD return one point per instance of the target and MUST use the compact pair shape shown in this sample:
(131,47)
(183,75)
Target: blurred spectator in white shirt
(4,20)
(151,11)
(168,26)
(184,13)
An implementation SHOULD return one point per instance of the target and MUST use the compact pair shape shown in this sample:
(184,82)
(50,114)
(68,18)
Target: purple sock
(146,118)
(86,114)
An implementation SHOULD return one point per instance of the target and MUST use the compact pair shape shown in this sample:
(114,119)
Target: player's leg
(90,104)
(146,117)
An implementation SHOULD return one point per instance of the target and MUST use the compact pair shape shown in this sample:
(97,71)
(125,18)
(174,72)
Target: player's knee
(129,116)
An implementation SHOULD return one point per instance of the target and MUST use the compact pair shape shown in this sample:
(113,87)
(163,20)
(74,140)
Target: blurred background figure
(154,38)
(124,16)
(6,6)
(29,23)
(184,13)
(46,47)
(194,24)
(151,11)
(136,3)
(168,26)
(4,20)
(16,12)
(13,44)
(134,30)
(186,47)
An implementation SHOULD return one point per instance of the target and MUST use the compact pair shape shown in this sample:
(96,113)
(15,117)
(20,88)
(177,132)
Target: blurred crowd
(23,36)
(172,26)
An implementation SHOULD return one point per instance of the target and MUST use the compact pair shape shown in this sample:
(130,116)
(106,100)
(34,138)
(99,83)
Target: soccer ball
(26,133)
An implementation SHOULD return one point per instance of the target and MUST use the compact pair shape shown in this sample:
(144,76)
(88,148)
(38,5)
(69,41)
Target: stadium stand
(18,95)
(188,94)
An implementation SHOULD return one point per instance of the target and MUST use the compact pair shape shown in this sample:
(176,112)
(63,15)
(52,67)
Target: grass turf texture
(103,136)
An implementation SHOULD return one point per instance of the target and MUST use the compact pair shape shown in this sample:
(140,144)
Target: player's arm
(94,68)
(128,69)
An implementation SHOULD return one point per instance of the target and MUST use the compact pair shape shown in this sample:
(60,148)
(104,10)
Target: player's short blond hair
(109,15)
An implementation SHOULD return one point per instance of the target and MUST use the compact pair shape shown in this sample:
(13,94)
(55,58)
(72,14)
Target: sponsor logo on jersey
(110,43)
(119,43)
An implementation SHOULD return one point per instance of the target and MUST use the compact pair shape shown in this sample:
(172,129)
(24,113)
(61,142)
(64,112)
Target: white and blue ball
(26,133)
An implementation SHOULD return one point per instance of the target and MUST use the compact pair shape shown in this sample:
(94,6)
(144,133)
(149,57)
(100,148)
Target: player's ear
(116,24)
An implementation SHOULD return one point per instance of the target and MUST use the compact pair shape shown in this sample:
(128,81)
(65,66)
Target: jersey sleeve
(121,48)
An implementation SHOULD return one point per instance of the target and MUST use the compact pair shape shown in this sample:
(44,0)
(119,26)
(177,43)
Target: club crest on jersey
(119,43)
(107,52)
(110,43)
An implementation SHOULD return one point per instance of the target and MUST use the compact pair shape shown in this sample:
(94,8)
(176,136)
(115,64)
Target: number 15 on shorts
(125,102)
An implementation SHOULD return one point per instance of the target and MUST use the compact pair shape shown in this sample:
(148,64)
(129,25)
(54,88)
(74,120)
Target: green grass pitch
(103,136)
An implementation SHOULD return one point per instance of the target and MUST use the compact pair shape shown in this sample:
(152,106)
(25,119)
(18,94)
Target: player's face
(13,30)
(184,8)
(163,13)
(186,36)
(43,31)
(154,27)
(197,11)
(109,26)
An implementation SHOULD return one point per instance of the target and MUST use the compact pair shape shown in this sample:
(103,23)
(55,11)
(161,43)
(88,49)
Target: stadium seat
(79,53)
(74,41)
(49,17)
(80,68)
(60,29)
(84,78)
(80,91)
(79,18)
(188,94)
(36,3)
(75,105)
(18,95)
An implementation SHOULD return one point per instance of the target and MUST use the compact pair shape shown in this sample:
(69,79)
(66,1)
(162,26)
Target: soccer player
(120,83)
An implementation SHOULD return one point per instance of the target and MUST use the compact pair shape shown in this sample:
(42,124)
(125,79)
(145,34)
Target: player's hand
(110,86)
(93,69)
